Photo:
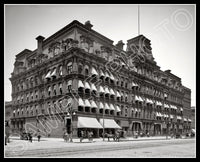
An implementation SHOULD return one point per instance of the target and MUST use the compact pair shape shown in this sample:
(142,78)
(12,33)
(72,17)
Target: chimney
(120,45)
(39,44)
(88,25)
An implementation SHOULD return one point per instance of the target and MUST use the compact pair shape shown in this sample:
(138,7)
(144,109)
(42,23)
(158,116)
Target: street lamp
(70,115)
(103,125)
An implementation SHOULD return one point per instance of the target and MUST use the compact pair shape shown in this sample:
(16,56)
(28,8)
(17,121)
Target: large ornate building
(77,79)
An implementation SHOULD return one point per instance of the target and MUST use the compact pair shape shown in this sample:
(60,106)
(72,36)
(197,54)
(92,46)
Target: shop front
(88,124)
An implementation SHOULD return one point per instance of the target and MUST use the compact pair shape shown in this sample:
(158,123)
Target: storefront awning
(109,123)
(86,122)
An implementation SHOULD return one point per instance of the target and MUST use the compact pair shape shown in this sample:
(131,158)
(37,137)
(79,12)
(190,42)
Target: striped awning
(101,90)
(117,108)
(80,84)
(112,107)
(107,107)
(93,104)
(112,77)
(102,73)
(81,102)
(134,84)
(48,76)
(93,87)
(101,106)
(179,117)
(149,101)
(53,74)
(88,122)
(112,92)
(158,103)
(93,71)
(69,82)
(109,123)
(106,90)
(107,75)
(87,86)
(87,103)
(118,95)
(138,98)
(166,105)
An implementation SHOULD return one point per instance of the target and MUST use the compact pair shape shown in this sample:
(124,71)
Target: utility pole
(138,19)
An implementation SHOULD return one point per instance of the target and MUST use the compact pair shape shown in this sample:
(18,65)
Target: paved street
(132,148)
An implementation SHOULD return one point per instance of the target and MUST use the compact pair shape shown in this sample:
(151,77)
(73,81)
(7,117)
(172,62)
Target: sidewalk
(97,139)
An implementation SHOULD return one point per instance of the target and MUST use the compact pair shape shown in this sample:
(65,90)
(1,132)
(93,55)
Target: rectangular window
(69,88)
(69,69)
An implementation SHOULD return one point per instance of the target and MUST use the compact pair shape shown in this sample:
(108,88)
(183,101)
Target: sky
(171,29)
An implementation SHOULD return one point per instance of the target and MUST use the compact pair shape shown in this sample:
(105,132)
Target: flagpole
(103,125)
(138,19)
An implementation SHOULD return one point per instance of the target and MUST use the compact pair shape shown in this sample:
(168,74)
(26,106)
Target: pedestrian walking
(66,136)
(82,135)
(90,134)
(38,136)
(136,134)
(30,137)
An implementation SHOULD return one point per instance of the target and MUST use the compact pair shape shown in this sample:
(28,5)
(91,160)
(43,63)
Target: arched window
(86,70)
(36,94)
(31,81)
(36,80)
(60,70)
(80,68)
(69,85)
(49,107)
(49,91)
(60,88)
(69,68)
(54,89)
